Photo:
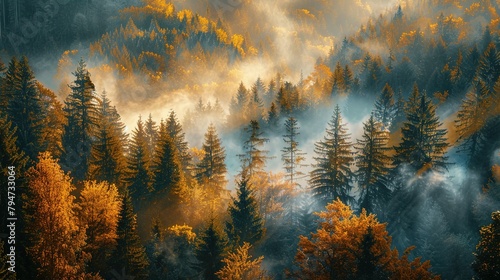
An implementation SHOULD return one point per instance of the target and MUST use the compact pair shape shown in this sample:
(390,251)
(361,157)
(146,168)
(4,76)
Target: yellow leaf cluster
(188,14)
(183,231)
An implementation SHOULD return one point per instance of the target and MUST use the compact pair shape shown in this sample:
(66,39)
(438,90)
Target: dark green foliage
(369,263)
(139,177)
(332,176)
(129,255)
(107,161)
(373,164)
(423,144)
(385,107)
(211,170)
(167,167)
(25,108)
(175,131)
(210,251)
(245,224)
(81,111)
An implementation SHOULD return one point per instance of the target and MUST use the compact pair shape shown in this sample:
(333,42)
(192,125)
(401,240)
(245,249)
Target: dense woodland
(413,192)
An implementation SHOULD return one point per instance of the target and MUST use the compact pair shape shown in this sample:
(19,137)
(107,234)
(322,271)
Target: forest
(250,139)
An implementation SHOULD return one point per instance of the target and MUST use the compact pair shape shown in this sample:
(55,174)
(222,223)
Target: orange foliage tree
(347,246)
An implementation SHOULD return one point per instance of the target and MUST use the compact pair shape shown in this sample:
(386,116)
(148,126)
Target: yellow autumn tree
(99,210)
(239,265)
(51,223)
(347,246)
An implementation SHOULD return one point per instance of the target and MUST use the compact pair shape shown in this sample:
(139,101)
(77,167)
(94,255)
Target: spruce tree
(245,224)
(211,170)
(151,130)
(272,116)
(385,109)
(167,168)
(107,159)
(292,156)
(81,111)
(423,143)
(332,176)
(373,164)
(129,255)
(139,175)
(488,69)
(25,109)
(210,252)
(254,159)
(179,137)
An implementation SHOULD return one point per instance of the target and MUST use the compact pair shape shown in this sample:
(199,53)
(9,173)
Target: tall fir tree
(167,167)
(254,159)
(373,164)
(25,109)
(423,145)
(211,170)
(151,130)
(210,251)
(139,177)
(245,223)
(273,116)
(129,256)
(177,134)
(81,111)
(292,156)
(107,159)
(331,177)
(385,109)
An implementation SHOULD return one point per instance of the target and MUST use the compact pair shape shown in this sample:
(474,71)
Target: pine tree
(373,165)
(399,112)
(81,111)
(241,265)
(129,255)
(99,207)
(107,159)
(25,109)
(210,251)
(245,224)
(255,104)
(348,78)
(487,263)
(292,156)
(151,130)
(139,175)
(53,123)
(10,154)
(385,109)
(167,168)
(332,176)
(337,80)
(179,137)
(253,160)
(488,69)
(211,170)
(423,144)
(56,239)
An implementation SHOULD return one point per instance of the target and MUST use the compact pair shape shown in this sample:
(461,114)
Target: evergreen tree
(151,131)
(348,78)
(255,104)
(254,159)
(245,224)
(332,176)
(139,179)
(373,164)
(25,109)
(167,171)
(385,109)
(107,161)
(81,111)
(292,156)
(488,69)
(10,154)
(211,170)
(399,112)
(210,251)
(129,255)
(179,137)
(423,144)
(487,263)
(53,123)
(337,80)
